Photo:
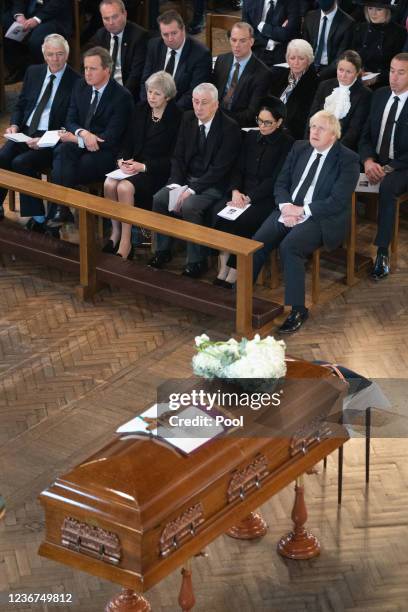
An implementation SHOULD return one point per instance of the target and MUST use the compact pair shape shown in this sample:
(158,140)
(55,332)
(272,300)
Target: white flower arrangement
(247,359)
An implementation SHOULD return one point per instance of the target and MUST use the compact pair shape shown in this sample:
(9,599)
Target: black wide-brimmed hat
(377,4)
(274,105)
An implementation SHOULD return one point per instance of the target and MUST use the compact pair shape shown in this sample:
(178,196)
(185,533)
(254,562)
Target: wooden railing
(90,206)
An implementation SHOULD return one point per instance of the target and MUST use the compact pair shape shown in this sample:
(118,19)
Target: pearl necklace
(155,119)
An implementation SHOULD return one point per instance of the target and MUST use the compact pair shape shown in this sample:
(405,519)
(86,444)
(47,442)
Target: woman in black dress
(253,179)
(377,40)
(296,85)
(148,151)
(346,97)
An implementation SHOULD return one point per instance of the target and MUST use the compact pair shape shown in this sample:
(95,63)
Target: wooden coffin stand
(138,509)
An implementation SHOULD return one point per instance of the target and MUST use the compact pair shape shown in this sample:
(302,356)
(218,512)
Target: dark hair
(353,57)
(401,57)
(170,16)
(106,59)
(275,106)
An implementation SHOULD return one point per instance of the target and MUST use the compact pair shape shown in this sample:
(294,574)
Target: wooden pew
(95,268)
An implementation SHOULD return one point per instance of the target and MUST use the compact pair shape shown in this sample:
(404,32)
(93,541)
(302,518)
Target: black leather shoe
(381,267)
(160,259)
(1,213)
(236,5)
(54,232)
(294,321)
(195,270)
(129,256)
(33,226)
(110,247)
(219,282)
(63,215)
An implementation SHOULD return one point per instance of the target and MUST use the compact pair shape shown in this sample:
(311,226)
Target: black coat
(223,147)
(371,131)
(339,39)
(193,68)
(252,86)
(360,100)
(60,10)
(300,100)
(377,44)
(32,84)
(112,116)
(133,53)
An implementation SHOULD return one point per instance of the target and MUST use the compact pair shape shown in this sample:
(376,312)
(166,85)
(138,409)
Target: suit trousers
(295,245)
(30,162)
(194,209)
(392,185)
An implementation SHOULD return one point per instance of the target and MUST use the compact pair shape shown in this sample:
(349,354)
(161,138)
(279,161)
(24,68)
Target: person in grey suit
(384,152)
(313,193)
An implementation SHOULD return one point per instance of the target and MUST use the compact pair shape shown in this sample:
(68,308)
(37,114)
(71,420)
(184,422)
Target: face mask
(326,5)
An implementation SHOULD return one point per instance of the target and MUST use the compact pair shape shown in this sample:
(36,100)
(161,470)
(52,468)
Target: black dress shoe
(236,5)
(63,215)
(110,247)
(381,267)
(219,282)
(33,226)
(130,254)
(160,259)
(294,321)
(54,232)
(1,213)
(195,270)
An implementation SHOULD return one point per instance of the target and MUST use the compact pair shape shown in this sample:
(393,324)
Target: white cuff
(260,26)
(81,143)
(308,212)
(38,20)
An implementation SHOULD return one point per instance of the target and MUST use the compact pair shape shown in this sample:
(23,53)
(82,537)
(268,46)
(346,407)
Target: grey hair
(207,88)
(56,40)
(243,25)
(163,81)
(331,120)
(302,47)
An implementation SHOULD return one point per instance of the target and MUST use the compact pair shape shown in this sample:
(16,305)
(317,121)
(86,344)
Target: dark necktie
(320,44)
(170,64)
(304,188)
(92,109)
(41,106)
(202,140)
(115,53)
(384,154)
(227,99)
(269,14)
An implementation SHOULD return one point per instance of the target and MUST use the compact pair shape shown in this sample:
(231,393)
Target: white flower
(199,340)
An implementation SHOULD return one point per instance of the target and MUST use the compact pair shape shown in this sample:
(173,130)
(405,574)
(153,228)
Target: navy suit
(330,208)
(285,10)
(19,157)
(396,183)
(194,67)
(75,166)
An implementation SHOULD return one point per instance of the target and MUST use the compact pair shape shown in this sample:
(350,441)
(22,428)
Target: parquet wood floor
(63,369)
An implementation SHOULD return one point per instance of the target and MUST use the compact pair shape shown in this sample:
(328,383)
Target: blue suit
(330,208)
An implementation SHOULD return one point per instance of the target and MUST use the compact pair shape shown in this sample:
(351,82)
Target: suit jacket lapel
(162,55)
(315,29)
(61,92)
(247,71)
(104,98)
(226,67)
(124,46)
(300,167)
(39,85)
(212,139)
(326,169)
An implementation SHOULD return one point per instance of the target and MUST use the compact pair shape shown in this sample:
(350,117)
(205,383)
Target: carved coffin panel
(247,478)
(305,436)
(91,540)
(184,526)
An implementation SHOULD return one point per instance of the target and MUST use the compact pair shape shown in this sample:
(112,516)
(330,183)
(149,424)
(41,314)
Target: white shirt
(45,117)
(118,68)
(271,44)
(402,100)
(309,194)
(330,16)
(207,126)
(176,57)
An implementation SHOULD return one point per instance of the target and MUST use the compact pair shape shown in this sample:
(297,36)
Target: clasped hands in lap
(292,214)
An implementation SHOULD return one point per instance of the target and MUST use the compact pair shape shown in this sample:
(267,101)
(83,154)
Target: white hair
(302,47)
(207,88)
(55,40)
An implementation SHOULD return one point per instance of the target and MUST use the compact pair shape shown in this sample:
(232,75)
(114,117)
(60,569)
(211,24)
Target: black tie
(92,109)
(384,154)
(115,53)
(170,64)
(269,14)
(202,140)
(304,188)
(41,106)
(320,45)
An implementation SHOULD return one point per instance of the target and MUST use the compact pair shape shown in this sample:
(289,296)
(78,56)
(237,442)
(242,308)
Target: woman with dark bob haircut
(252,181)
(346,98)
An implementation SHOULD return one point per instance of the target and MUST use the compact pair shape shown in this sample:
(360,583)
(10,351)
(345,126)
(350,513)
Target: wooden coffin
(137,509)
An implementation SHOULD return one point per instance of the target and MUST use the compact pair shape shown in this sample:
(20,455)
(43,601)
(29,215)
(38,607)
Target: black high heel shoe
(130,254)
(110,247)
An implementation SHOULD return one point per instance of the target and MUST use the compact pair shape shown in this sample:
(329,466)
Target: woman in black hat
(252,181)
(377,40)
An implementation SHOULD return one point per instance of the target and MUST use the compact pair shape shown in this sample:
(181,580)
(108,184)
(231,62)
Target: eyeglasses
(265,123)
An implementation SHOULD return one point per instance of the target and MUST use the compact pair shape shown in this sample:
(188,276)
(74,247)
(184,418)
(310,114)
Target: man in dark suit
(329,31)
(241,78)
(207,147)
(186,59)
(42,105)
(313,192)
(384,152)
(275,23)
(126,43)
(38,18)
(97,120)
